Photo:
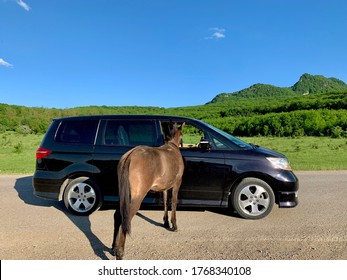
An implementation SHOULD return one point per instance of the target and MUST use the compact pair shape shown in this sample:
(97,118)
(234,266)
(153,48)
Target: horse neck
(176,139)
(174,143)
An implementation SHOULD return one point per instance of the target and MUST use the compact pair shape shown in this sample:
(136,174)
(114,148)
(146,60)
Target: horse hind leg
(118,236)
(118,245)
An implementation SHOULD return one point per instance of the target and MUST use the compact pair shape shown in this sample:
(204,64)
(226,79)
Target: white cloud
(24,5)
(4,63)
(21,3)
(217,33)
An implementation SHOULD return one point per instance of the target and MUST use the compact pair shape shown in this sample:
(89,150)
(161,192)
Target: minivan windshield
(233,139)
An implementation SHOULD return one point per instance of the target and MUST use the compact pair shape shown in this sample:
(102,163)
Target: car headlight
(281,163)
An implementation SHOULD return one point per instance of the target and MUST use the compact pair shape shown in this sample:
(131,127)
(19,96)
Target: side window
(77,131)
(191,136)
(218,144)
(129,133)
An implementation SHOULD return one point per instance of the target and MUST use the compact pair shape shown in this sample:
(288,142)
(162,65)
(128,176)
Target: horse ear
(183,125)
(172,126)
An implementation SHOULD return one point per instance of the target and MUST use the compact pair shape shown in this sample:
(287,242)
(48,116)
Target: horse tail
(124,193)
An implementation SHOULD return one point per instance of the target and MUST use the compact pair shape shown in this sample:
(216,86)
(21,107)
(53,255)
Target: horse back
(156,165)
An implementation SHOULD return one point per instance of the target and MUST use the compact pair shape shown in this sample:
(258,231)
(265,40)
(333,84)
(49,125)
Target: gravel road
(33,228)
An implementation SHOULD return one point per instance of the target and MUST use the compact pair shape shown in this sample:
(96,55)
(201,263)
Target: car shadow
(24,188)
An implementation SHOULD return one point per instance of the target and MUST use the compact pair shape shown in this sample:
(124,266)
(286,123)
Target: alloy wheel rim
(81,197)
(254,200)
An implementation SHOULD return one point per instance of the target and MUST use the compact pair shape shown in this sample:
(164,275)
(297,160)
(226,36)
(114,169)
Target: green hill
(307,84)
(255,91)
(318,84)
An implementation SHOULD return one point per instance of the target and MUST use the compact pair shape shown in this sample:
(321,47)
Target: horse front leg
(173,208)
(166,215)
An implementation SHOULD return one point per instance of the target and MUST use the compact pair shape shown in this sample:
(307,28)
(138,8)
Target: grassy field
(308,153)
(17,154)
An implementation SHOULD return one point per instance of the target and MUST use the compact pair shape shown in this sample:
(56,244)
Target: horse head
(176,133)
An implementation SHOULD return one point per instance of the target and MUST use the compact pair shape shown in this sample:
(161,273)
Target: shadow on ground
(24,188)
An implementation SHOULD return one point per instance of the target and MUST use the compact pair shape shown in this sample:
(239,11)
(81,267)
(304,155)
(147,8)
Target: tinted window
(79,132)
(129,133)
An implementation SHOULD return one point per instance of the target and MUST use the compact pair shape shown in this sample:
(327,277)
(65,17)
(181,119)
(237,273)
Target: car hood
(267,152)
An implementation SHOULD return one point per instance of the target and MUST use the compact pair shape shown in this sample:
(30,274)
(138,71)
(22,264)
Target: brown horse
(143,169)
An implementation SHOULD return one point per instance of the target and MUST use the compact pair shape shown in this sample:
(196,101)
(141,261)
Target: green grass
(17,153)
(308,153)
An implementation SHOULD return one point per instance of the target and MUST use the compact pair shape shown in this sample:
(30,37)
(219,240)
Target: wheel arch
(73,176)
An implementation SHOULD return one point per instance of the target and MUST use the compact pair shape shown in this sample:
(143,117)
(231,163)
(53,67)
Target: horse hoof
(166,225)
(112,252)
(118,255)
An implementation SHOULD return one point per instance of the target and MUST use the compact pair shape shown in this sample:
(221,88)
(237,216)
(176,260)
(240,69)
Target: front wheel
(252,198)
(82,196)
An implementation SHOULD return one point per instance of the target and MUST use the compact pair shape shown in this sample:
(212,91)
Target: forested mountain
(255,91)
(307,84)
(318,84)
(258,110)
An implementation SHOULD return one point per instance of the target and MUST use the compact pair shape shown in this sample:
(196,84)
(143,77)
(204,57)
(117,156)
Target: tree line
(322,114)
(321,122)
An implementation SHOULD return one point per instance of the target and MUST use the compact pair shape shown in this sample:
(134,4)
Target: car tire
(252,198)
(82,196)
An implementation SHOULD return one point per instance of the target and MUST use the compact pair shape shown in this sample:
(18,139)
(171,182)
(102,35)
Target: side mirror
(204,145)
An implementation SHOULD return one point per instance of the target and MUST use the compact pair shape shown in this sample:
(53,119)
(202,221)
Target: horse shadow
(24,188)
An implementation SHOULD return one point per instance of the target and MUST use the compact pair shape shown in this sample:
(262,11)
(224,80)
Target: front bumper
(287,189)
(288,199)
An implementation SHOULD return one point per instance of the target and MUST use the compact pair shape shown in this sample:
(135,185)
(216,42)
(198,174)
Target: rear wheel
(252,198)
(82,196)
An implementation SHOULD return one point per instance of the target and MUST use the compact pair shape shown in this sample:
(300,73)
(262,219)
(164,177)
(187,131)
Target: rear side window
(129,133)
(77,131)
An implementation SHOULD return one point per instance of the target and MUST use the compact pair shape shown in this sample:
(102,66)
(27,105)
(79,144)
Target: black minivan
(77,163)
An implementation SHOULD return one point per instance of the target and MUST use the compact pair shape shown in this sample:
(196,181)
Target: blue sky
(165,53)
